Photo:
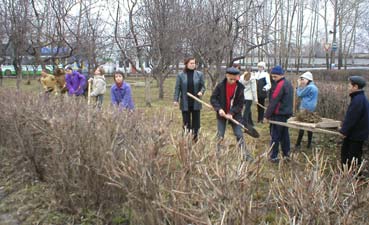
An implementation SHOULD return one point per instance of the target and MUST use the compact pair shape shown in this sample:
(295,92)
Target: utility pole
(334,42)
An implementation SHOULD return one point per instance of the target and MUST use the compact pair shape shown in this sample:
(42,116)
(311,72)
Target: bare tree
(163,31)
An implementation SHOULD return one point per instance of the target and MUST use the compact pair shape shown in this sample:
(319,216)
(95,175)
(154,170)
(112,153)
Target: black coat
(218,100)
(356,123)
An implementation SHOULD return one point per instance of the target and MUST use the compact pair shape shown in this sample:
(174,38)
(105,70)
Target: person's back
(48,82)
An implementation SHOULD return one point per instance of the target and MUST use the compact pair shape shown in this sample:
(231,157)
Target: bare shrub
(333,99)
(318,194)
(138,164)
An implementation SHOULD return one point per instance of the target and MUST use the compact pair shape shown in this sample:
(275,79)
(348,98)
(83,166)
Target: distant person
(59,74)
(307,91)
(279,109)
(98,85)
(227,100)
(75,82)
(250,95)
(263,86)
(355,126)
(121,93)
(192,81)
(48,82)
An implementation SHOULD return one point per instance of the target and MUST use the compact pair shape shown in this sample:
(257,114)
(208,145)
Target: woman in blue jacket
(191,81)
(307,91)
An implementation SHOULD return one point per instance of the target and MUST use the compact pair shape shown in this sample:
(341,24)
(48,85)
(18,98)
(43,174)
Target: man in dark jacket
(227,100)
(355,127)
(279,109)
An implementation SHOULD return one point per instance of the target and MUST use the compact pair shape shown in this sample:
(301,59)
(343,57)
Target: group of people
(76,84)
(236,92)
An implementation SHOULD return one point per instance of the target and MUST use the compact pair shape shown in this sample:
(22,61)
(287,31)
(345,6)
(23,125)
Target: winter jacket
(122,96)
(280,99)
(98,86)
(180,89)
(218,100)
(309,97)
(76,83)
(48,82)
(356,123)
(250,91)
(263,83)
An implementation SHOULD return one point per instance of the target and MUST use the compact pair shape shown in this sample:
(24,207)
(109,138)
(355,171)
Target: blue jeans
(221,125)
(99,101)
(279,134)
(247,117)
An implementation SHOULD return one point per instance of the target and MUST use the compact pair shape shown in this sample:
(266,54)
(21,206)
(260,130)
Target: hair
(120,73)
(59,72)
(186,61)
(101,68)
(247,75)
(68,68)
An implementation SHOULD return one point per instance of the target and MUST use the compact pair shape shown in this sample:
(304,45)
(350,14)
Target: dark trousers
(261,110)
(191,121)
(247,117)
(301,134)
(279,135)
(351,149)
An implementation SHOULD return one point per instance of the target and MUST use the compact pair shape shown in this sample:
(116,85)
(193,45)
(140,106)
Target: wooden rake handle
(211,107)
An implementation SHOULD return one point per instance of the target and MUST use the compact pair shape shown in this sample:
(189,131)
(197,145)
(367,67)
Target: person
(355,126)
(59,74)
(227,100)
(250,95)
(192,81)
(75,82)
(98,85)
(263,86)
(120,93)
(48,82)
(307,91)
(279,109)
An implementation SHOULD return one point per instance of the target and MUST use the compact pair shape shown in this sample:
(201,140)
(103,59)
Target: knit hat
(262,64)
(277,70)
(232,70)
(358,80)
(307,75)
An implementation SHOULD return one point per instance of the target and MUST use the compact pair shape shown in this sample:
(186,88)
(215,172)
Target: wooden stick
(209,106)
(312,129)
(261,105)
(88,93)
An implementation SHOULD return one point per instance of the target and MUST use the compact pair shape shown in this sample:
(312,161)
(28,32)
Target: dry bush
(338,75)
(138,164)
(333,99)
(195,188)
(319,194)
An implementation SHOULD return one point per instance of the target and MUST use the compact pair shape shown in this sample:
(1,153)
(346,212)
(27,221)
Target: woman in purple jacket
(120,92)
(75,82)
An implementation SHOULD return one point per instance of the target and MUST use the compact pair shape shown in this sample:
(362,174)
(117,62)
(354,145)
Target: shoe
(286,158)
(297,148)
(274,160)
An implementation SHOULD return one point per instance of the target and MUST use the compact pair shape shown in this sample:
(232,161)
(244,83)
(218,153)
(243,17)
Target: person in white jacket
(263,86)
(98,85)
(250,95)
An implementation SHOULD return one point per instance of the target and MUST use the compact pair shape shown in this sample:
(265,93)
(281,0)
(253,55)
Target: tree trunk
(161,87)
(147,91)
